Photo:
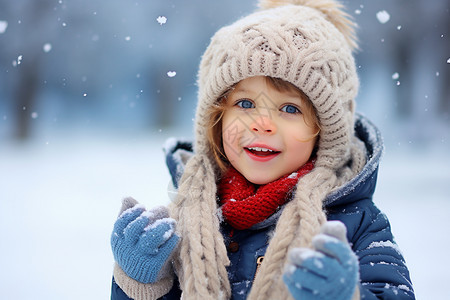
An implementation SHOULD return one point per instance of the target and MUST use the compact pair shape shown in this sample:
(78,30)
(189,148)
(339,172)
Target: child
(274,198)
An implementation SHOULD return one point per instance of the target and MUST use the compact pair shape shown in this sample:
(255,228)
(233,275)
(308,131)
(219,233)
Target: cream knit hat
(308,43)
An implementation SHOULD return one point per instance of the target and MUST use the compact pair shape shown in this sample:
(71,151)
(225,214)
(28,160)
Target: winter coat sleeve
(383,272)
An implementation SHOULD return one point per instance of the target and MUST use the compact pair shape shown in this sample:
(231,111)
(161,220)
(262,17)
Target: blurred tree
(21,54)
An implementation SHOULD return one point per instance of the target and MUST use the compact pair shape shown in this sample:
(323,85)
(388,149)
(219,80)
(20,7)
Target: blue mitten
(330,271)
(143,241)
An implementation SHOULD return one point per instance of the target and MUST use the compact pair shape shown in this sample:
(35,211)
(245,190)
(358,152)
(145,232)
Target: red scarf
(244,205)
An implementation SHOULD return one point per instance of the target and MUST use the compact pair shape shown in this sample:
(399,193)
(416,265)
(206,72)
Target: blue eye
(244,103)
(290,109)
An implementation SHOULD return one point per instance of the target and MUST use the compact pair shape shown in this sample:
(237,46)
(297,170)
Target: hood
(178,152)
(363,184)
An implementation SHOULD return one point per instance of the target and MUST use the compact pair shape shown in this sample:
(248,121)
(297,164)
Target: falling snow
(3,26)
(171,73)
(383,16)
(47,47)
(161,20)
(17,62)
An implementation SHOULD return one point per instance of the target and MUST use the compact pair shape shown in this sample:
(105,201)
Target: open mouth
(260,153)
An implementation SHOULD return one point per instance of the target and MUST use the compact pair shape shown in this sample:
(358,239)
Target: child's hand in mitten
(143,241)
(330,271)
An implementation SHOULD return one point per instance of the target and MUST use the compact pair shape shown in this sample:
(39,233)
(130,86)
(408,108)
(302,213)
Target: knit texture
(244,205)
(309,45)
(141,291)
(143,243)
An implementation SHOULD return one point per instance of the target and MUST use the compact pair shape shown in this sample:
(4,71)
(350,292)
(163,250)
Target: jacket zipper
(259,261)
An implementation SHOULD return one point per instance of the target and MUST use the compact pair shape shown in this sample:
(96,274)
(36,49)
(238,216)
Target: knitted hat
(308,43)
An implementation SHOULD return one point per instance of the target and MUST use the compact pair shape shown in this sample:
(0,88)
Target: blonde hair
(216,112)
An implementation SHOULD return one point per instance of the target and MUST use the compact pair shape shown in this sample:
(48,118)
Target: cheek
(234,128)
(300,142)
(300,131)
(230,134)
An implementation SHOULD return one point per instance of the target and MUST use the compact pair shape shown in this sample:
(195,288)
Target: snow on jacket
(383,273)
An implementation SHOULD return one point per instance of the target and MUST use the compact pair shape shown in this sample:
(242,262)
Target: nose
(263,125)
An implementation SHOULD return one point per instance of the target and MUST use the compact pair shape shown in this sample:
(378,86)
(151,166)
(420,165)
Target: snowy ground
(60,197)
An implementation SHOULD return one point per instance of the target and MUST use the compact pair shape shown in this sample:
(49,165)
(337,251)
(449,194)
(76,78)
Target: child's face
(264,133)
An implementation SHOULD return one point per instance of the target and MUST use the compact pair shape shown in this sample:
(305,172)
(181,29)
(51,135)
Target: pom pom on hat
(333,11)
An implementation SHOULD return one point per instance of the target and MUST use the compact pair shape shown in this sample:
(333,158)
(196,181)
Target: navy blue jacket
(383,272)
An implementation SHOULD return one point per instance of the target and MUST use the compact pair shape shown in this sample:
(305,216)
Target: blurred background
(90,90)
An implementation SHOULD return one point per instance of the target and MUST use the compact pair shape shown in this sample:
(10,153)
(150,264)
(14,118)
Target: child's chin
(261,180)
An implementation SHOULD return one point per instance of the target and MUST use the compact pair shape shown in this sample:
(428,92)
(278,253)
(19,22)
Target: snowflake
(383,16)
(161,20)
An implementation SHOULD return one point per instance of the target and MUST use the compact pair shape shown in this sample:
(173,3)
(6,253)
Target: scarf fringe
(202,259)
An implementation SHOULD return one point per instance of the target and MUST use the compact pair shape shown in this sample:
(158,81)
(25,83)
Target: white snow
(131,209)
(171,73)
(302,254)
(383,244)
(60,196)
(3,26)
(318,263)
(169,221)
(161,20)
(404,287)
(168,234)
(395,76)
(293,175)
(47,47)
(147,214)
(383,16)
(448,60)
(220,214)
(17,62)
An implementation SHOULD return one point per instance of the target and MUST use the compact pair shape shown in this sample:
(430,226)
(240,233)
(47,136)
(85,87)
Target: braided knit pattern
(299,223)
(202,260)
